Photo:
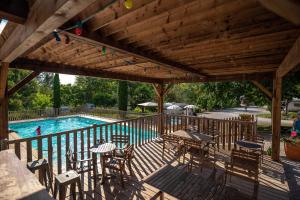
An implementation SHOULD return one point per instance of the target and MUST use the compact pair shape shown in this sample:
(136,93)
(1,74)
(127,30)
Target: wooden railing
(54,146)
(228,130)
(140,130)
(44,113)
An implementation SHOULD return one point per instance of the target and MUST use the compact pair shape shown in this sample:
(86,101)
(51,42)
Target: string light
(128,4)
(103,50)
(78,29)
(56,36)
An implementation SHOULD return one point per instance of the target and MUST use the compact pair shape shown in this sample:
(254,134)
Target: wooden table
(248,144)
(16,181)
(192,136)
(101,149)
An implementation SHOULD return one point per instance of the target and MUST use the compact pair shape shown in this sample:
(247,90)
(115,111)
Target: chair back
(244,159)
(128,152)
(122,140)
(170,138)
(70,160)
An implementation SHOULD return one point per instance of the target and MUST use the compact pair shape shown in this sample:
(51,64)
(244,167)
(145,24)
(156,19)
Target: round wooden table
(101,149)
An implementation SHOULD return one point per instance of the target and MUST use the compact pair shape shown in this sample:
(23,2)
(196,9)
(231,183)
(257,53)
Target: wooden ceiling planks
(215,38)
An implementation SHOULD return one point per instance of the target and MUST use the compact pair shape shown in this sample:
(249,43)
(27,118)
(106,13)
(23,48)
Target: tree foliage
(123,95)
(56,92)
(104,93)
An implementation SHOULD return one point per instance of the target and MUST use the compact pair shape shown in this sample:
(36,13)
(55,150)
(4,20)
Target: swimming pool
(49,126)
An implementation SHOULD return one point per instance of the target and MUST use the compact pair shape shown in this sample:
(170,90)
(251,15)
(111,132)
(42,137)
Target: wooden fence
(54,146)
(50,112)
(140,130)
(229,130)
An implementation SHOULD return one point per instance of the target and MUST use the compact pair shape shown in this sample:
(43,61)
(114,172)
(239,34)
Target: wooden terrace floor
(148,161)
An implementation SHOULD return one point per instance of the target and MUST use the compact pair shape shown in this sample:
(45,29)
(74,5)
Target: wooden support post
(160,90)
(3,101)
(276,117)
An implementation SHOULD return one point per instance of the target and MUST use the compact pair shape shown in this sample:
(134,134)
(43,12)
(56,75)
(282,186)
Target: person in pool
(38,130)
(296,125)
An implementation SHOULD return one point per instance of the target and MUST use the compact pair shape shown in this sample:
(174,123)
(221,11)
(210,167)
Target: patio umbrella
(190,106)
(167,104)
(148,104)
(174,107)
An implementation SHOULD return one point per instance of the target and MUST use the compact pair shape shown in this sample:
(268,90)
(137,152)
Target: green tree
(56,92)
(140,93)
(41,101)
(123,95)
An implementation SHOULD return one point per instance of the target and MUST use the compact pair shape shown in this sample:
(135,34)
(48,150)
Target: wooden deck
(152,174)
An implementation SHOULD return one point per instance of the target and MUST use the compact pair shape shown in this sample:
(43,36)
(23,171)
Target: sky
(66,79)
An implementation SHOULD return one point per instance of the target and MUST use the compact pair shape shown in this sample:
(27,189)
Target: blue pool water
(48,126)
(28,129)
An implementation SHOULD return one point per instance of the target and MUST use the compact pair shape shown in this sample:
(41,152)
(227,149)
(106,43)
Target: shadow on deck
(148,161)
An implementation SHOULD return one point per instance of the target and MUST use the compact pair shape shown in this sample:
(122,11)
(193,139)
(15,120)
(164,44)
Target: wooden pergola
(156,41)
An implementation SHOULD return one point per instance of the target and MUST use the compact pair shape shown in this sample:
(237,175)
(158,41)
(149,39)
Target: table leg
(103,169)
(95,168)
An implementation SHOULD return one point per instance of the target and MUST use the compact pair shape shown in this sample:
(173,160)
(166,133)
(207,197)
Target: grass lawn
(289,116)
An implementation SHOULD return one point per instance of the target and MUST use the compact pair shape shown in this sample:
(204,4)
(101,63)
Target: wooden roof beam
(291,60)
(223,78)
(262,88)
(97,40)
(14,10)
(287,9)
(43,18)
(35,65)
(23,82)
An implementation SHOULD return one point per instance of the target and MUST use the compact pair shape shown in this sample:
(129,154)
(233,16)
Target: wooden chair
(171,142)
(120,140)
(198,152)
(118,163)
(78,165)
(244,165)
(259,140)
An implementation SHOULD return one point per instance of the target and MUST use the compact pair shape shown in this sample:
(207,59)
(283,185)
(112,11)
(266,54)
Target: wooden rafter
(23,82)
(14,10)
(43,18)
(100,41)
(223,78)
(263,89)
(291,60)
(288,9)
(41,66)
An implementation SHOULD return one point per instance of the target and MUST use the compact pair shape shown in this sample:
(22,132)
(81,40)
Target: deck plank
(148,161)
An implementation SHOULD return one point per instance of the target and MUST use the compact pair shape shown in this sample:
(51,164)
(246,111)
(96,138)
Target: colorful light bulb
(78,29)
(128,4)
(55,34)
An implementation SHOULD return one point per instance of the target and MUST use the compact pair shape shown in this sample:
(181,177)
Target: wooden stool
(63,180)
(43,167)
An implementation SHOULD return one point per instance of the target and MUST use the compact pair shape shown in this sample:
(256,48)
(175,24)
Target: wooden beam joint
(262,88)
(23,82)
